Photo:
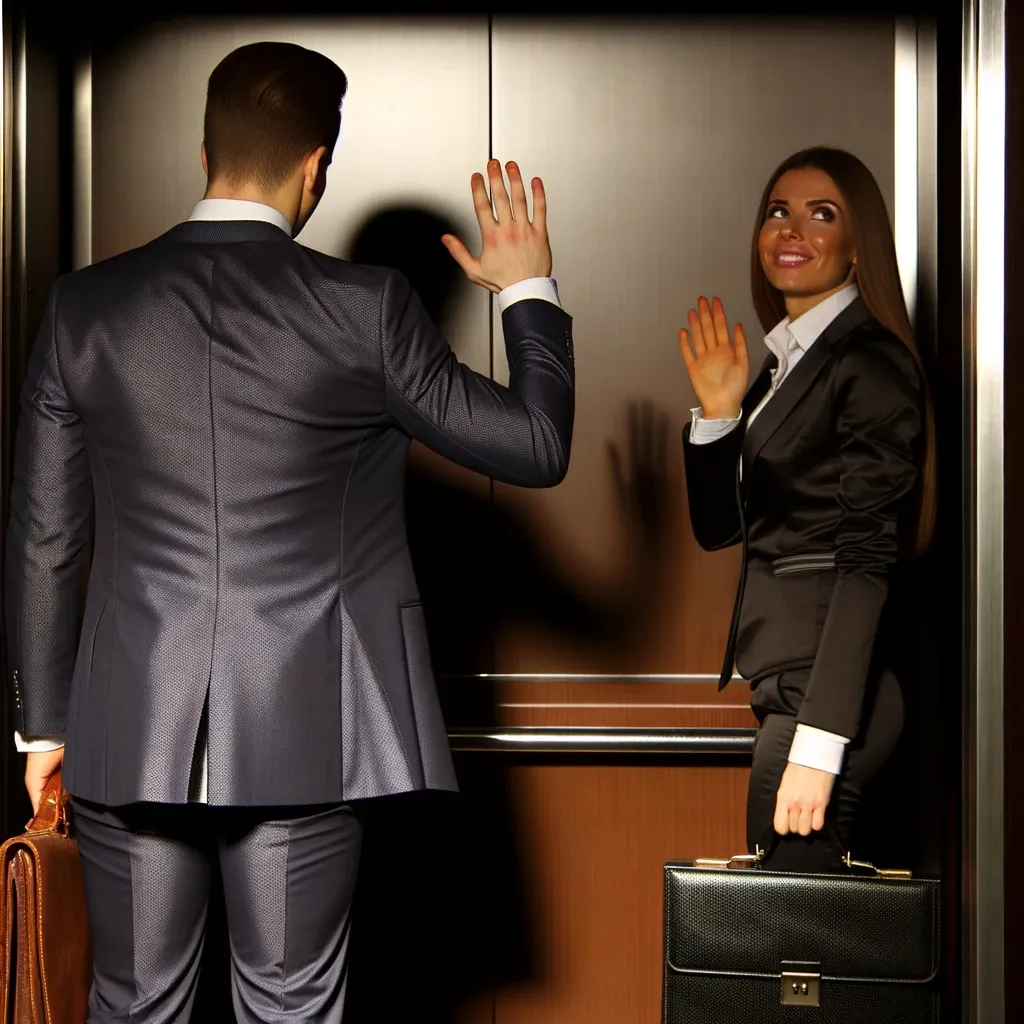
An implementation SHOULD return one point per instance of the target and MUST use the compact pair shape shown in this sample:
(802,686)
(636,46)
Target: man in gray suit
(251,660)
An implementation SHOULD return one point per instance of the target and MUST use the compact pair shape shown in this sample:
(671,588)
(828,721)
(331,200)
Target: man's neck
(284,204)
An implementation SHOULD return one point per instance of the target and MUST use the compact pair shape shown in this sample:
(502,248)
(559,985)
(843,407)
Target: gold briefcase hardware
(47,961)
(741,860)
(752,860)
(801,984)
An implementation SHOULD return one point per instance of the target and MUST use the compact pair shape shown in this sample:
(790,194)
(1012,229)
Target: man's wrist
(38,744)
(545,288)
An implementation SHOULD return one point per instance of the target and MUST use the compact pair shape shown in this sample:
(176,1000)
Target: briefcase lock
(801,985)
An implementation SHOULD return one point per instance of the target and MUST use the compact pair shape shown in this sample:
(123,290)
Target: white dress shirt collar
(787,337)
(240,209)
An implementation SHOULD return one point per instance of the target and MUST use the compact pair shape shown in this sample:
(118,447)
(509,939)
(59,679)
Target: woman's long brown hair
(878,279)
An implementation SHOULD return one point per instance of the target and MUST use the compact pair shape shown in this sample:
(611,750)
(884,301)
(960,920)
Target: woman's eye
(823,213)
(776,211)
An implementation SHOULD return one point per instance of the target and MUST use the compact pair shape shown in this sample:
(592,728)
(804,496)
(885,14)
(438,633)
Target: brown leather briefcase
(47,961)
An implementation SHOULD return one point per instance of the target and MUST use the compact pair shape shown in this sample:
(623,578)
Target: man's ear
(314,171)
(202,154)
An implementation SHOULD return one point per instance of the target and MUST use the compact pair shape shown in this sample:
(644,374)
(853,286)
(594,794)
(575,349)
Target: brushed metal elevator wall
(415,127)
(654,140)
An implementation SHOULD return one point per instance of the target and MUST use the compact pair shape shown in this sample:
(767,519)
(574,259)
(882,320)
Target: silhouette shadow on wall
(442,912)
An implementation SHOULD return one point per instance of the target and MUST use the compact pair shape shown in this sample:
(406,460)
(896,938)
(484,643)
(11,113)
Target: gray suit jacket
(238,410)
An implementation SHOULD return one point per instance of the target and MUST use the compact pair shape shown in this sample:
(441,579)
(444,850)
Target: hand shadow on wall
(442,912)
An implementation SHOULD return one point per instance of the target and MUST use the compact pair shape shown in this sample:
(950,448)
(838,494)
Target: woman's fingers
(739,343)
(719,322)
(684,347)
(709,331)
(707,324)
(781,822)
(696,333)
(804,822)
(802,799)
(818,818)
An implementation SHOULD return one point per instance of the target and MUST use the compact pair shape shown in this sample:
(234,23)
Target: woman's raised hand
(719,368)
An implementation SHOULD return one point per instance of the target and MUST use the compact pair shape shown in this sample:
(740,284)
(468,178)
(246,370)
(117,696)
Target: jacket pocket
(414,636)
(95,633)
(794,565)
(431,734)
(82,680)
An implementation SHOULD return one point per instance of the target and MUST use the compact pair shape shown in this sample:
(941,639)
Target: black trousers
(289,876)
(776,703)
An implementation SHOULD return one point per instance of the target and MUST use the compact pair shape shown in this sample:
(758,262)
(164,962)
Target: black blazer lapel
(757,391)
(796,385)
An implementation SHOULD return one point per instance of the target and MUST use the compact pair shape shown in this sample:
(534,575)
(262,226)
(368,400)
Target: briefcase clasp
(801,984)
(741,860)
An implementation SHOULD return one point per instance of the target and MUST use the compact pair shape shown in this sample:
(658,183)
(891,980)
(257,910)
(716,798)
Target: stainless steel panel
(982,262)
(654,140)
(81,242)
(19,158)
(915,155)
(414,128)
(926,308)
(905,157)
(546,740)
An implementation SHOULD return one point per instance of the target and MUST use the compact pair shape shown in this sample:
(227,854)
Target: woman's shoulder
(872,350)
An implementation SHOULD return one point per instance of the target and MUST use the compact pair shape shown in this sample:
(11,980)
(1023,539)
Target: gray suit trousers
(289,876)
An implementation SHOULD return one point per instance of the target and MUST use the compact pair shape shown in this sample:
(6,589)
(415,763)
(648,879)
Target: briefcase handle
(54,814)
(770,839)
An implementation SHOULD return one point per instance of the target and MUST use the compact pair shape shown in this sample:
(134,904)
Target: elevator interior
(576,633)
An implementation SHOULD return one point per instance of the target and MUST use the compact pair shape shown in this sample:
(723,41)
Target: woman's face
(806,240)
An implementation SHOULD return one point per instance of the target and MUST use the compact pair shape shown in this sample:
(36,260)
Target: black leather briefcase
(747,945)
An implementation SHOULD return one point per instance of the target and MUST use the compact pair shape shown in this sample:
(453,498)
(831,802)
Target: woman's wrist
(719,413)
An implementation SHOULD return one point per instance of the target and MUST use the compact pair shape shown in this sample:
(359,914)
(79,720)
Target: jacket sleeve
(711,488)
(879,423)
(47,539)
(521,434)
(712,474)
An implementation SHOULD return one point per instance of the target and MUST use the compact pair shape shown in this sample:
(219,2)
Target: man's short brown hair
(268,106)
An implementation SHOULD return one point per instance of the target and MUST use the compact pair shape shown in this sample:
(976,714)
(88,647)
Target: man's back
(246,407)
(236,411)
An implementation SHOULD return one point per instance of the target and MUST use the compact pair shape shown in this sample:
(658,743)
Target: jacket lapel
(797,383)
(762,382)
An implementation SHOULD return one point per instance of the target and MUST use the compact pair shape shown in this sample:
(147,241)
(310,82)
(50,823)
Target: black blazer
(239,408)
(828,467)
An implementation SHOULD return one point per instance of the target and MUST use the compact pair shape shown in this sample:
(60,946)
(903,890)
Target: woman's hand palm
(719,374)
(719,369)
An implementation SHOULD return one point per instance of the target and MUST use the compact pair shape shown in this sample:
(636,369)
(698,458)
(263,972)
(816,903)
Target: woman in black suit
(824,471)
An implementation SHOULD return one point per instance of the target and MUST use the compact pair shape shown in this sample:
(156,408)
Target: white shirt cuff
(705,431)
(815,748)
(39,744)
(545,288)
